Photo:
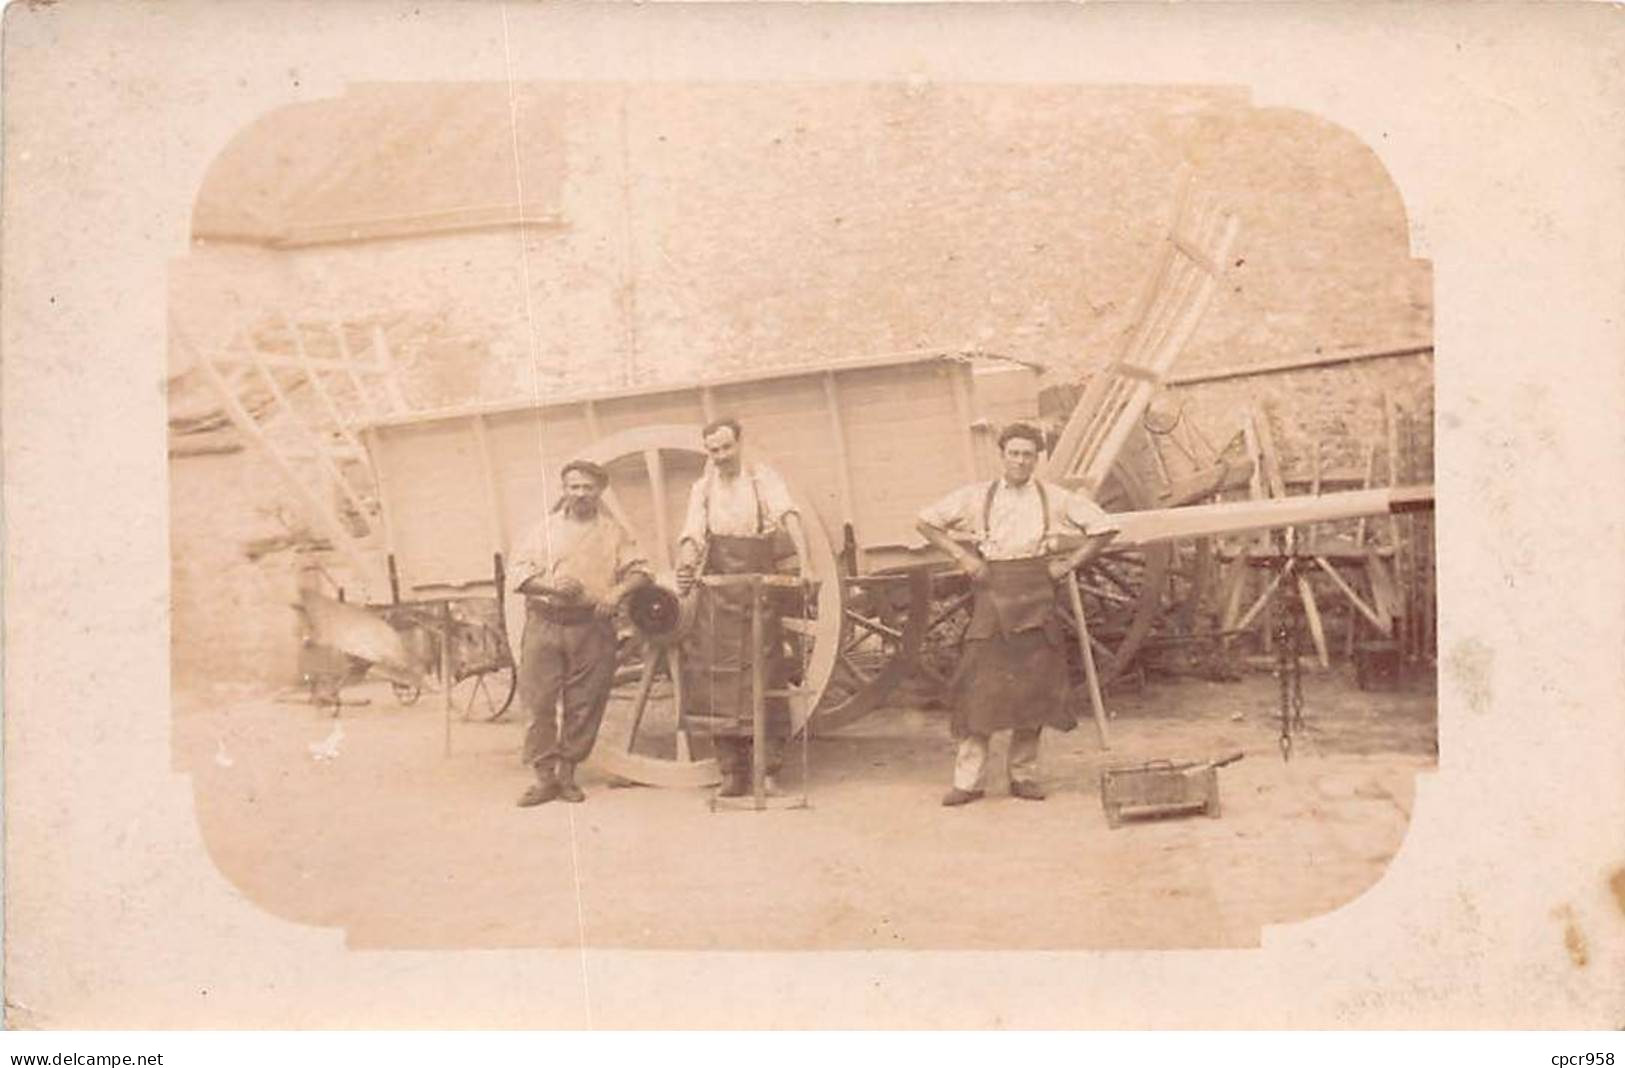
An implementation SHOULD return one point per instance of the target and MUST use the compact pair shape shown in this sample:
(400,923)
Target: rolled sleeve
(1087,516)
(628,559)
(694,520)
(530,557)
(775,494)
(948,513)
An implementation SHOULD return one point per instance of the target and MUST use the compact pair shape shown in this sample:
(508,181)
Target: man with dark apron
(1012,672)
(739,514)
(573,571)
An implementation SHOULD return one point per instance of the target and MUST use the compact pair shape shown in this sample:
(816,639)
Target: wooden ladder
(300,397)
(1194,256)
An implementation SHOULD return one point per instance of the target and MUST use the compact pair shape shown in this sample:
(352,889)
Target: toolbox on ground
(1162,788)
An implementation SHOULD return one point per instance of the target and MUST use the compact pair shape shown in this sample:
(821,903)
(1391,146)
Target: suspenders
(1043,505)
(755,491)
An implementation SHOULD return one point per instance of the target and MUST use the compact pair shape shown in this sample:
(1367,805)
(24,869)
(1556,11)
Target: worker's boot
(733,759)
(568,790)
(543,790)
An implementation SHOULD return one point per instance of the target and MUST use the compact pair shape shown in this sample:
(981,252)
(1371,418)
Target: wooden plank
(317,386)
(843,457)
(286,363)
(320,513)
(1235,588)
(1266,450)
(380,479)
(1228,228)
(1238,517)
(496,525)
(1295,363)
(960,378)
(1353,597)
(1311,612)
(1390,411)
(1258,606)
(1091,676)
(920,359)
(657,489)
(1370,472)
(1382,589)
(342,345)
(318,449)
(384,362)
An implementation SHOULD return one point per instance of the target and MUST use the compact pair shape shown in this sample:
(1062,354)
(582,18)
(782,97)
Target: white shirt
(596,552)
(1015,522)
(753,502)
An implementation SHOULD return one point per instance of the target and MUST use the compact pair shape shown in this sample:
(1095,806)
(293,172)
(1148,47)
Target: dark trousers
(566,671)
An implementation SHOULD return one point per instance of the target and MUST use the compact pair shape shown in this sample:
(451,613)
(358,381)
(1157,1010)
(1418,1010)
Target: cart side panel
(433,478)
(917,431)
(527,450)
(677,408)
(906,433)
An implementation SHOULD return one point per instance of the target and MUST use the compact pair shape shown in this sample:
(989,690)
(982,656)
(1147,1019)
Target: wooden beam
(384,363)
(1354,598)
(459,411)
(843,457)
(1156,525)
(322,515)
(318,448)
(373,444)
(657,490)
(318,386)
(1311,612)
(1296,363)
(495,518)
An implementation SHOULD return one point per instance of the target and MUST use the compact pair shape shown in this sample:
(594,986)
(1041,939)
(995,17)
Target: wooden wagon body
(866,443)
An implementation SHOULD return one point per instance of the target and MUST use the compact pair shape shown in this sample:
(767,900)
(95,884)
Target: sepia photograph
(764,468)
(837,515)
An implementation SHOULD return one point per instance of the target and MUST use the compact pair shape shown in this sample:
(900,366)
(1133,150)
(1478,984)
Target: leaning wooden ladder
(1193,259)
(302,408)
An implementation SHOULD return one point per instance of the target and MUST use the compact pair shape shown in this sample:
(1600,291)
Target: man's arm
(798,537)
(938,522)
(1092,545)
(1091,521)
(691,540)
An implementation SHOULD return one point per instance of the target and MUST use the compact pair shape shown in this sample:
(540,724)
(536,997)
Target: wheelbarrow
(1160,788)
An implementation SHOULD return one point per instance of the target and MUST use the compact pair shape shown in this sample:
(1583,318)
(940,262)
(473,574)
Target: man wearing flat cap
(573,571)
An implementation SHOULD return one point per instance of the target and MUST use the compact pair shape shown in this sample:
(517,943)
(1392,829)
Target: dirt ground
(366,823)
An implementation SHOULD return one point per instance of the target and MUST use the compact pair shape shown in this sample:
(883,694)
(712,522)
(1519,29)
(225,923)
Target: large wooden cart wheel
(642,740)
(883,625)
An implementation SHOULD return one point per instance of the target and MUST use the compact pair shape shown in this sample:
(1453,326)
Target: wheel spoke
(874,626)
(657,489)
(950,610)
(1105,594)
(863,677)
(640,700)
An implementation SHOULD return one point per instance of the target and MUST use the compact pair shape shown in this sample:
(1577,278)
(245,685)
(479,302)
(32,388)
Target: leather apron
(718,654)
